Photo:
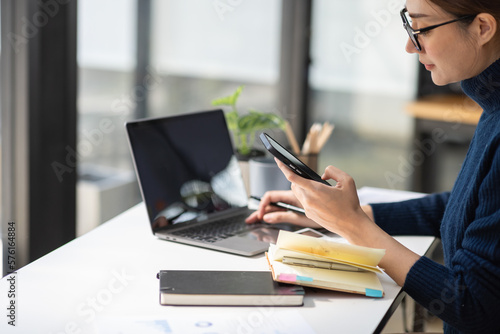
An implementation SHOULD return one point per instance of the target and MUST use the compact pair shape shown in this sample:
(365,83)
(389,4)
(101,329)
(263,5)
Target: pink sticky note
(288,277)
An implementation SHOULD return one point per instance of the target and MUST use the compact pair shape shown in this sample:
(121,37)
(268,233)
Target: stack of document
(324,263)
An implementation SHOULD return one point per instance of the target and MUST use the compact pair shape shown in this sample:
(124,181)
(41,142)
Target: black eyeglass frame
(413,34)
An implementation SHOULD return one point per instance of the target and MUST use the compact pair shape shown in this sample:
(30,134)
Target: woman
(456,40)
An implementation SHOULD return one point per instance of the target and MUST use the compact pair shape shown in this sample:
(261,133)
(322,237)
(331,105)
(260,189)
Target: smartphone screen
(285,156)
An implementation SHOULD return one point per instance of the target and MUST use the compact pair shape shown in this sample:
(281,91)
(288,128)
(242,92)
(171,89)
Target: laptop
(192,185)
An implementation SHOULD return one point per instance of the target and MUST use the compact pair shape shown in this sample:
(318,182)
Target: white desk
(111,271)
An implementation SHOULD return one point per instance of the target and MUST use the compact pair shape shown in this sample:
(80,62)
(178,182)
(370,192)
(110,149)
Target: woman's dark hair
(460,8)
(467,7)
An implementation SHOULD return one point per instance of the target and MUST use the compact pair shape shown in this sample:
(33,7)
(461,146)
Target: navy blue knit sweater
(465,292)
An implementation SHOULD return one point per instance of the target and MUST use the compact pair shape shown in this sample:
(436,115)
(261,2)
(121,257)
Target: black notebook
(226,288)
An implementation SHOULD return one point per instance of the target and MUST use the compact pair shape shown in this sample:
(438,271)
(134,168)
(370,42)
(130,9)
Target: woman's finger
(289,217)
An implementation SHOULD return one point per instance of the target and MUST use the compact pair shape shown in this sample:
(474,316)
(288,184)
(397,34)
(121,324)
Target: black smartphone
(285,156)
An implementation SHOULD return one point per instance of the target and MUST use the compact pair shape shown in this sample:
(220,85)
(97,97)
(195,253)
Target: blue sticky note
(304,279)
(374,293)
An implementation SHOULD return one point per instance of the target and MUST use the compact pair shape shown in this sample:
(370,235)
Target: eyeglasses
(414,33)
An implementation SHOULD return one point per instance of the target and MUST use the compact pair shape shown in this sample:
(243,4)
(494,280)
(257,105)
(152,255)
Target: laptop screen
(186,167)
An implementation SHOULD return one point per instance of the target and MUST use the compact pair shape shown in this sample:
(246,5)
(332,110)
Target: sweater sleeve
(421,216)
(466,293)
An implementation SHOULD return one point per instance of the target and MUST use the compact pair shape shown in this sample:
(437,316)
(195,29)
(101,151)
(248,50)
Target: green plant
(244,126)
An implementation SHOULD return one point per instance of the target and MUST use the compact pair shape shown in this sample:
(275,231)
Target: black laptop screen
(186,167)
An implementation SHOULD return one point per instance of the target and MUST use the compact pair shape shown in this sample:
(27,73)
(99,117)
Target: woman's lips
(429,67)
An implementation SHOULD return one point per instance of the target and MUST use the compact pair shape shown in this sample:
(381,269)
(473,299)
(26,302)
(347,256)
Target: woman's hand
(272,214)
(336,208)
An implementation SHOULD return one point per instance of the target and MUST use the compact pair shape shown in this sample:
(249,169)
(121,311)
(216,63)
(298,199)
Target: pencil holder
(311,160)
(265,175)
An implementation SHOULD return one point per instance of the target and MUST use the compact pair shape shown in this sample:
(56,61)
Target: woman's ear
(487,27)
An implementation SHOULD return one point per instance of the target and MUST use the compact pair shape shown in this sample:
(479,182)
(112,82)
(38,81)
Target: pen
(284,206)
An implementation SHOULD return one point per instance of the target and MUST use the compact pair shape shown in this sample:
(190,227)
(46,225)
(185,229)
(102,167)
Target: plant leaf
(228,100)
(232,120)
(244,127)
(255,121)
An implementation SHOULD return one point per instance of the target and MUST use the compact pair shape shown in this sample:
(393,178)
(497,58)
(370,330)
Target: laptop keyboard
(215,231)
